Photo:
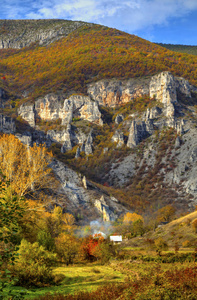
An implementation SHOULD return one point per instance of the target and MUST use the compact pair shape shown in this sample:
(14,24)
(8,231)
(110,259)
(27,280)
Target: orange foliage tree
(89,246)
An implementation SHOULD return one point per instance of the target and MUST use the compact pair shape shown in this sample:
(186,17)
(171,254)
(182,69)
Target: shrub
(33,266)
(104,251)
(44,239)
(160,245)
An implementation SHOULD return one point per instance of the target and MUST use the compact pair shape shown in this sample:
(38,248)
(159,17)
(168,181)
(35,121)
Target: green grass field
(77,278)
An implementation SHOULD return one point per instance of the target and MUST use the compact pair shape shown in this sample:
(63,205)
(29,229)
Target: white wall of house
(116,238)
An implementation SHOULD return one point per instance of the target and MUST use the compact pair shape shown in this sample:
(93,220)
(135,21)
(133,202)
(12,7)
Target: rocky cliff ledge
(163,87)
(53,107)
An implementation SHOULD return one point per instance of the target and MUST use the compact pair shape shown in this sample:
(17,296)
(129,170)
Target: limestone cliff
(53,107)
(163,87)
(115,92)
(125,128)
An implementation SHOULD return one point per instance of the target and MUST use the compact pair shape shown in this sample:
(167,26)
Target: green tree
(33,265)
(12,209)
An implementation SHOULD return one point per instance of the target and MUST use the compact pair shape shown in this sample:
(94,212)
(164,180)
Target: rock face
(53,107)
(163,87)
(115,92)
(80,193)
(118,138)
(27,112)
(7,125)
(152,113)
(20,33)
(137,133)
(88,144)
(67,145)
(177,166)
(104,210)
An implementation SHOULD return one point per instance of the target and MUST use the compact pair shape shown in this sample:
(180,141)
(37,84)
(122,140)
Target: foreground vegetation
(127,279)
(44,253)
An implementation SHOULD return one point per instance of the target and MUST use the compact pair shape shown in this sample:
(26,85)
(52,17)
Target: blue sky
(167,21)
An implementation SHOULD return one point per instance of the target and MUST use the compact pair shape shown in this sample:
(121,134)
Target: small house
(116,239)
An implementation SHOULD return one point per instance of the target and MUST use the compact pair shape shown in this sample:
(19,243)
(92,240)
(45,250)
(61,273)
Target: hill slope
(180,48)
(111,106)
(87,54)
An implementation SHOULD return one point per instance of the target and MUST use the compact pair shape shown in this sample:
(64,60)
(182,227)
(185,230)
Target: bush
(33,265)
(160,245)
(104,252)
(44,239)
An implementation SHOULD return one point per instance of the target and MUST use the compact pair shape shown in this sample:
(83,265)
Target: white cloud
(130,15)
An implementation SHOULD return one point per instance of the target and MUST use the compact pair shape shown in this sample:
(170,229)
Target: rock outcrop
(104,210)
(77,193)
(53,107)
(163,87)
(67,145)
(7,124)
(137,133)
(88,144)
(115,92)
(152,113)
(118,138)
(28,113)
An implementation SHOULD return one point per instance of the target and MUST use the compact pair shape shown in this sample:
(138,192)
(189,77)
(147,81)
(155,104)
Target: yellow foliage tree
(24,167)
(165,214)
(57,222)
(67,247)
(132,217)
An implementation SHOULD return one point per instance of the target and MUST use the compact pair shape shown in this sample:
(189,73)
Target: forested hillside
(88,54)
(180,48)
